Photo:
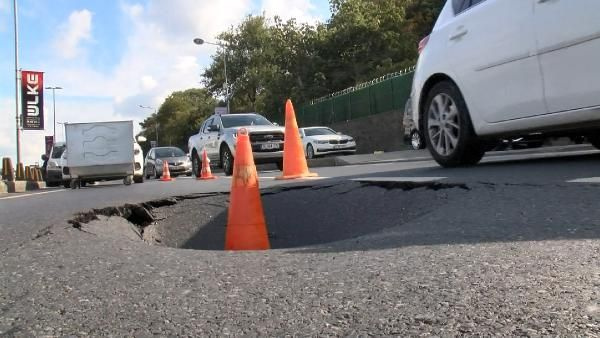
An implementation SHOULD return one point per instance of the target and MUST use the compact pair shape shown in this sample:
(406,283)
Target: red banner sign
(32,100)
(49,144)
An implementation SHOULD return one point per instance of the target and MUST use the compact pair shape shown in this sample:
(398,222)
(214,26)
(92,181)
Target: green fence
(381,95)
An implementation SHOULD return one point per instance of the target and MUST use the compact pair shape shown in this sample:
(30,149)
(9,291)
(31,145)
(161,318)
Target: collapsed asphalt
(296,216)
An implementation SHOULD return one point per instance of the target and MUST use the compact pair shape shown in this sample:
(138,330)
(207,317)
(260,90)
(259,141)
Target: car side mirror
(214,127)
(44,157)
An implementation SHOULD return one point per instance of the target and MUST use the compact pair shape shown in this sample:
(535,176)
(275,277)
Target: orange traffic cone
(246,227)
(205,173)
(166,175)
(294,160)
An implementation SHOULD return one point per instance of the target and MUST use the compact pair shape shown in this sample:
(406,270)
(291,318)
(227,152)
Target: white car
(54,168)
(138,165)
(323,140)
(493,69)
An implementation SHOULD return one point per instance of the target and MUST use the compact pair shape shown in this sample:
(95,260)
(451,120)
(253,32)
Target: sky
(110,56)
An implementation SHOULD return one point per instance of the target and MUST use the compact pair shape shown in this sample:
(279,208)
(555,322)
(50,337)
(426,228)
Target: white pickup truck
(218,136)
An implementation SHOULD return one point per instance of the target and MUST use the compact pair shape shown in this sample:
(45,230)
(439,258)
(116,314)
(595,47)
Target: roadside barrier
(20,172)
(8,173)
(28,174)
(205,173)
(246,227)
(166,175)
(294,160)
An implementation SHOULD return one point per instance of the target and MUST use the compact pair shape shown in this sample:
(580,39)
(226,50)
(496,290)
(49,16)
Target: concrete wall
(380,132)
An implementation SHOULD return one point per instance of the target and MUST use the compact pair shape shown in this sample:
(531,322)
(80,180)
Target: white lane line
(586,180)
(398,179)
(28,195)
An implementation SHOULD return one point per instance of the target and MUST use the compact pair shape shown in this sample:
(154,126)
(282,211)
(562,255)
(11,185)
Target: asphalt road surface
(509,247)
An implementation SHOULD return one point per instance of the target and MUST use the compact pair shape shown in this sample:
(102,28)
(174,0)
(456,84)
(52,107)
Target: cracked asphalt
(510,247)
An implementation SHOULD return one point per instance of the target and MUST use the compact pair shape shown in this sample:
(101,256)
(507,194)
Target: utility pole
(17,103)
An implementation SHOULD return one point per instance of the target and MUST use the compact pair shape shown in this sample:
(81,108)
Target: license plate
(338,147)
(269,146)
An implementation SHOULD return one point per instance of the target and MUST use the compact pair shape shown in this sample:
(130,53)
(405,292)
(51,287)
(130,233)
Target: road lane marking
(398,179)
(32,194)
(586,180)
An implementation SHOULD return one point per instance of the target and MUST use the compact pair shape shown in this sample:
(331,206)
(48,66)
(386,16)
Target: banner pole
(17,81)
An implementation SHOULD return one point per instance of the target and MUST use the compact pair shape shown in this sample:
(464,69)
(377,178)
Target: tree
(179,117)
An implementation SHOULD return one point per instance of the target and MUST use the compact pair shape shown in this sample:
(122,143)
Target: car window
(169,152)
(151,153)
(207,124)
(457,5)
(57,151)
(319,131)
(231,121)
(460,6)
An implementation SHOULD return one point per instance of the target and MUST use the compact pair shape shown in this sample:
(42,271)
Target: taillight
(423,43)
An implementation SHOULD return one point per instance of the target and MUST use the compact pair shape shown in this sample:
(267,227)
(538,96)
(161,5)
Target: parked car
(319,141)
(493,69)
(218,134)
(138,163)
(54,167)
(411,133)
(178,161)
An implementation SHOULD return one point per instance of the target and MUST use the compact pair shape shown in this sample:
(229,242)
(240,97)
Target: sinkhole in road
(296,216)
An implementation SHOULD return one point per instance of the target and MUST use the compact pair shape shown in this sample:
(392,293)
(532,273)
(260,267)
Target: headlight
(235,135)
(322,142)
(52,165)
(351,140)
(158,161)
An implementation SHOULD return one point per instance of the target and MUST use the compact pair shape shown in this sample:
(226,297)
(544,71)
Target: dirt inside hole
(296,216)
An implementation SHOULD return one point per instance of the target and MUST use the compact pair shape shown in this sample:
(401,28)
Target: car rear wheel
(227,161)
(449,133)
(416,140)
(310,151)
(196,164)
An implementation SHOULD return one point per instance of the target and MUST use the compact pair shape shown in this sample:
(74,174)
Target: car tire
(227,161)
(310,151)
(188,174)
(594,140)
(67,184)
(416,140)
(449,133)
(138,179)
(196,164)
(146,174)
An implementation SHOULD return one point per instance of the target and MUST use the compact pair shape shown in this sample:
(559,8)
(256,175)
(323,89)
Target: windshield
(169,152)
(57,151)
(232,121)
(319,131)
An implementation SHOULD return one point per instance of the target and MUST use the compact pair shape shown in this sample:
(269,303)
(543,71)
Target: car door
(492,47)
(568,36)
(207,138)
(149,162)
(214,136)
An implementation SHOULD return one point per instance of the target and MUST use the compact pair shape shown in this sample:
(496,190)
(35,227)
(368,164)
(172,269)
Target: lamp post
(54,108)
(200,41)
(17,81)
(156,124)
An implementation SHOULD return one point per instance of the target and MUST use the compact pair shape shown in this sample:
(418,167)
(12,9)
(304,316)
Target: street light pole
(54,109)
(156,124)
(200,41)
(17,118)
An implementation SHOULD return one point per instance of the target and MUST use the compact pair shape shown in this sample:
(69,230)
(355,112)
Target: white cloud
(72,33)
(158,57)
(302,10)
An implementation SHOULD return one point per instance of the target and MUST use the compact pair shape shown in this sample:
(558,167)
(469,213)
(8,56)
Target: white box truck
(100,151)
